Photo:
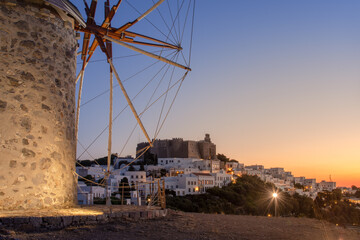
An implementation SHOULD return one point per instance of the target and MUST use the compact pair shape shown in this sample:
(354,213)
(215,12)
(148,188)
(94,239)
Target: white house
(253,172)
(310,183)
(255,167)
(234,166)
(86,194)
(326,186)
(222,178)
(182,184)
(299,180)
(205,181)
(189,183)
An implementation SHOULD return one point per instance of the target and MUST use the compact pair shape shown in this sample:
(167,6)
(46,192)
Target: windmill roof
(69,8)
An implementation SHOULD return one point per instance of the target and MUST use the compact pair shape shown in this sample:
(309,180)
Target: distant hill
(249,195)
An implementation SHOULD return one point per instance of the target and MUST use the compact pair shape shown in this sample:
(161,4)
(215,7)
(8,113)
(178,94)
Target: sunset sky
(275,83)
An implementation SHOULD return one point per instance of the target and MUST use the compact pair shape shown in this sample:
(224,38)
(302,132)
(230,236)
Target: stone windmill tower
(37,100)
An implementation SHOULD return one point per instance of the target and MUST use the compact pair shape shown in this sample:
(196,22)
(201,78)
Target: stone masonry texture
(37,100)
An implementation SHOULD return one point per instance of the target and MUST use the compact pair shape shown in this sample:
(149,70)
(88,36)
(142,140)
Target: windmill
(104,34)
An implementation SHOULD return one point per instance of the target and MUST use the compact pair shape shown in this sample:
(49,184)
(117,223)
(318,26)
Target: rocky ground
(179,225)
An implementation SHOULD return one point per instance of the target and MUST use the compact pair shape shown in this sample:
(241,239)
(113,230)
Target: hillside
(249,195)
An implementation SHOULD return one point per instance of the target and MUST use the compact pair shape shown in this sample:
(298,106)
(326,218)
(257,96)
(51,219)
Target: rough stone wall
(178,148)
(193,150)
(207,150)
(37,95)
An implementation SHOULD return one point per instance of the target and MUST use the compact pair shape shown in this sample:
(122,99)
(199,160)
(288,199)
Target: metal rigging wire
(127,79)
(148,20)
(179,39)
(125,108)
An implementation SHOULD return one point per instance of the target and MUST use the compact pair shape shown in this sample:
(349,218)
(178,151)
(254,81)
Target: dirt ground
(179,225)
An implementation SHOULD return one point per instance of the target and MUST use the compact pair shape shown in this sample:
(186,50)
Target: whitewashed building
(86,194)
(326,186)
(222,178)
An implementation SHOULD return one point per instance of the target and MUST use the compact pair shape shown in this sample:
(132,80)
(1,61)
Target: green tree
(85,163)
(163,172)
(150,158)
(124,187)
(357,194)
(222,157)
(142,167)
(299,186)
(88,180)
(131,168)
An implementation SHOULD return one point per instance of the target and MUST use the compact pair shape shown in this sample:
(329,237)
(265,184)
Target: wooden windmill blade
(106,24)
(109,51)
(125,36)
(149,54)
(108,19)
(94,45)
(164,44)
(118,34)
(90,20)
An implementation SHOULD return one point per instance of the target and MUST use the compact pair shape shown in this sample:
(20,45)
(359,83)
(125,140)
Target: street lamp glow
(275,195)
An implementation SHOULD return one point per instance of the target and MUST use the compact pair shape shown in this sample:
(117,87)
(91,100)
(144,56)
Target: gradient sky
(273,82)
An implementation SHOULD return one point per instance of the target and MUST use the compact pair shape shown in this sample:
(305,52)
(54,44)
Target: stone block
(100,217)
(52,221)
(26,227)
(91,222)
(21,220)
(143,214)
(83,219)
(118,214)
(91,218)
(7,221)
(134,215)
(150,214)
(76,219)
(163,212)
(35,221)
(157,213)
(125,215)
(67,220)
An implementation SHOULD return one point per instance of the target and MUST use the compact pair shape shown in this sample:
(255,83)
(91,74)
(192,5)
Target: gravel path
(179,225)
